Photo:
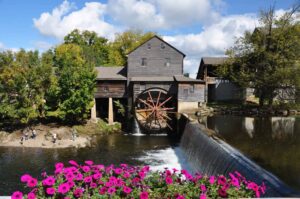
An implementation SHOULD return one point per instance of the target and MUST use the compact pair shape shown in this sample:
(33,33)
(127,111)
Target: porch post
(93,111)
(110,111)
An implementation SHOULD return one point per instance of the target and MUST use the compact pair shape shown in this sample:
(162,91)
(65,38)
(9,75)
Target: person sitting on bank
(74,134)
(54,137)
(33,134)
(22,139)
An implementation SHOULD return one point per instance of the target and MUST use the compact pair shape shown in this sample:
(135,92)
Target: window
(142,86)
(162,46)
(192,88)
(149,46)
(105,88)
(144,62)
(185,93)
(167,62)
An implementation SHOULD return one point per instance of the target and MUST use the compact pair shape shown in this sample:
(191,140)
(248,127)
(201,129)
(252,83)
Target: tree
(95,49)
(266,58)
(76,82)
(124,43)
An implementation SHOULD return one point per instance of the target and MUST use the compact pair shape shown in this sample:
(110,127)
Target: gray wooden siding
(140,87)
(114,89)
(156,58)
(191,92)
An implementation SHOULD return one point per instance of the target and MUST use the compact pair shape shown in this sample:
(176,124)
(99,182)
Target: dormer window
(144,61)
(162,46)
(167,62)
(148,46)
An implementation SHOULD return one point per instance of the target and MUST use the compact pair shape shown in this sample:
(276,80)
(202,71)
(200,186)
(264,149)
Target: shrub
(98,181)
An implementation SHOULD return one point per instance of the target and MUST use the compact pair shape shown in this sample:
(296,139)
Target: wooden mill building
(154,69)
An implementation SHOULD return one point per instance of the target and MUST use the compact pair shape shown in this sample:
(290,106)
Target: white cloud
(162,14)
(213,40)
(42,45)
(1,46)
(62,21)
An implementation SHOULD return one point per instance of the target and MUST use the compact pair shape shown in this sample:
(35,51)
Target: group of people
(25,134)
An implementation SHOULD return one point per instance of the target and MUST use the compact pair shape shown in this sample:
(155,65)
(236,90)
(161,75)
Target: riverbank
(56,136)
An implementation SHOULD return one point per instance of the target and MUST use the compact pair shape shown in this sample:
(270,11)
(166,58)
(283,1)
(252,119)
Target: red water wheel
(153,109)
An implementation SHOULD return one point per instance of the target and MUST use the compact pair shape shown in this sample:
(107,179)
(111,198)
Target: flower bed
(98,181)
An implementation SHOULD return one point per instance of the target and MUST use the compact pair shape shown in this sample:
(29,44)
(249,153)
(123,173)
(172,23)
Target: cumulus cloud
(1,46)
(42,45)
(64,18)
(162,14)
(214,39)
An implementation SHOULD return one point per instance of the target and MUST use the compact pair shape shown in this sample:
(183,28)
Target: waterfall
(136,128)
(210,155)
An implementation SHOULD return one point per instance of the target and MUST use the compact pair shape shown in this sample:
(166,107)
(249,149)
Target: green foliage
(95,49)
(124,43)
(268,58)
(101,127)
(76,82)
(120,107)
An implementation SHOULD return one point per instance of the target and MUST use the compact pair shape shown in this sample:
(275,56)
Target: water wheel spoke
(144,110)
(151,98)
(166,109)
(163,115)
(165,102)
(149,105)
(158,98)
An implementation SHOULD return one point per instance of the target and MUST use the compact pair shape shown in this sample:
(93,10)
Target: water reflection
(274,143)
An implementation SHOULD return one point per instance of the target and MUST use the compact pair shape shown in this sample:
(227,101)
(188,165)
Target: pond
(158,151)
(273,143)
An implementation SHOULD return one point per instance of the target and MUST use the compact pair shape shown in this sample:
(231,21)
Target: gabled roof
(152,79)
(182,78)
(210,61)
(111,73)
(155,36)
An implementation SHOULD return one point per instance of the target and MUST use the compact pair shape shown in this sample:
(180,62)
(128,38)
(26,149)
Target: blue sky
(197,27)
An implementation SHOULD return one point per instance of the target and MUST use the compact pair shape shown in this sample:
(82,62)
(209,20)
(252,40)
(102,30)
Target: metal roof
(153,79)
(182,78)
(214,60)
(111,73)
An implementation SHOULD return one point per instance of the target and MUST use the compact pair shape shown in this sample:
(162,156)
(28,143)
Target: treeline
(268,59)
(59,83)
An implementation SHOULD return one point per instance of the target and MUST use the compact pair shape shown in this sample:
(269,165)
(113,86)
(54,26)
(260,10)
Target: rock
(283,112)
(292,112)
(198,113)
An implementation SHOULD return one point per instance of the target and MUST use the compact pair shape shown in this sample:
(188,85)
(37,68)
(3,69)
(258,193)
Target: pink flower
(89,162)
(118,171)
(93,185)
(222,193)
(79,177)
(180,197)
(203,187)
(49,181)
(70,176)
(144,195)
(71,184)
(212,179)
(221,180)
(88,179)
(17,195)
(111,190)
(50,191)
(63,188)
(32,182)
(86,169)
(126,175)
(78,192)
(25,178)
(31,196)
(59,165)
(202,196)
(142,174)
(252,186)
(169,180)
(127,190)
(74,163)
(102,190)
(235,182)
(97,176)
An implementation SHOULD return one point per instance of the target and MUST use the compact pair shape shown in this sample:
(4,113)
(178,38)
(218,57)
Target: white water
(137,129)
(166,158)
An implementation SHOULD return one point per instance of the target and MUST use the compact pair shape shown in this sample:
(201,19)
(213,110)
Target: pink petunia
(212,179)
(180,197)
(25,178)
(97,176)
(203,187)
(59,165)
(89,162)
(144,195)
(202,196)
(222,193)
(86,169)
(118,171)
(74,163)
(78,192)
(102,190)
(127,190)
(49,181)
(169,180)
(32,182)
(111,190)
(50,191)
(17,195)
(31,196)
(221,180)
(63,188)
